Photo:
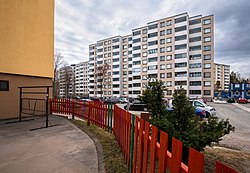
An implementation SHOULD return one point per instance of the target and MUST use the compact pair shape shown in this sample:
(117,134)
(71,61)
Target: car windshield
(199,104)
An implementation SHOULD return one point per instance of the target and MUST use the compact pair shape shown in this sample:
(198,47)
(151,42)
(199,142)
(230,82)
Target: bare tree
(101,77)
(58,60)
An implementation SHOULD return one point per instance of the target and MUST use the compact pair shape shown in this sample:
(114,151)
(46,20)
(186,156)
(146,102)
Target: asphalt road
(240,138)
(239,118)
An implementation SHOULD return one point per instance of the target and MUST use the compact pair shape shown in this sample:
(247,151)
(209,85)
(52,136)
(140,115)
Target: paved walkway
(58,149)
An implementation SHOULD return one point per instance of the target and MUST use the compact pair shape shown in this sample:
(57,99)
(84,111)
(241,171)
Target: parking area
(63,148)
(239,118)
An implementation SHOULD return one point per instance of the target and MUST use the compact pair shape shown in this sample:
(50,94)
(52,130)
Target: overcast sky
(79,23)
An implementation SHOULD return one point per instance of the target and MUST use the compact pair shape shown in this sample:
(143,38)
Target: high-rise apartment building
(179,50)
(73,80)
(222,74)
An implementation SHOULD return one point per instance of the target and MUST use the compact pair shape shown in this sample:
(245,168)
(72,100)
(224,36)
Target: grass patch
(236,159)
(112,155)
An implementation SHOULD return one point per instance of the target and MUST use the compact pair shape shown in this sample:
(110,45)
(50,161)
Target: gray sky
(79,23)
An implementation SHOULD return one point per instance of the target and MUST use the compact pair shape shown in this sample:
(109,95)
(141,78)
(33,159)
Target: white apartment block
(222,74)
(73,80)
(179,50)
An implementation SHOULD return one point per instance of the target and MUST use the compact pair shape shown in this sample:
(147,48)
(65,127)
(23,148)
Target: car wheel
(207,114)
(145,109)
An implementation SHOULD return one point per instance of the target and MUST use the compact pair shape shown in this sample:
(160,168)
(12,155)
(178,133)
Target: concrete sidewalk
(63,148)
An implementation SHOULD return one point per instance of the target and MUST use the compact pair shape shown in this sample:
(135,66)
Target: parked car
(220,101)
(136,106)
(123,100)
(209,110)
(242,100)
(86,100)
(198,111)
(231,100)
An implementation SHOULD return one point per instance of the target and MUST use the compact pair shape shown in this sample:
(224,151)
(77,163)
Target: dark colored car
(198,111)
(136,106)
(231,100)
(242,100)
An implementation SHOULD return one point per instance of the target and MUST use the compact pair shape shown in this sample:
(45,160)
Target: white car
(209,110)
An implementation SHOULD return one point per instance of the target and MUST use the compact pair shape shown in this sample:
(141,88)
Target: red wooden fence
(147,154)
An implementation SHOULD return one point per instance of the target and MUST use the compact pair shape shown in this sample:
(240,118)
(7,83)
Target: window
(152,35)
(136,70)
(169,48)
(181,64)
(162,33)
(136,84)
(181,74)
(152,67)
(162,67)
(195,30)
(162,75)
(181,55)
(207,92)
(136,77)
(181,46)
(194,48)
(206,22)
(162,58)
(137,48)
(124,40)
(144,61)
(195,83)
(207,48)
(116,47)
(144,69)
(137,40)
(169,66)
(136,62)
(181,19)
(195,65)
(151,43)
(195,74)
(169,31)
(115,53)
(194,91)
(169,57)
(207,83)
(180,37)
(162,41)
(169,40)
(152,26)
(194,39)
(180,83)
(115,66)
(151,51)
(194,57)
(144,39)
(207,30)
(136,55)
(168,23)
(207,57)
(207,75)
(193,22)
(181,28)
(136,33)
(125,79)
(207,39)
(125,53)
(144,31)
(169,75)
(144,46)
(162,24)
(144,54)
(154,59)
(115,40)
(4,85)
(116,60)
(169,83)
(169,92)
(144,77)
(207,66)
(162,50)
(124,66)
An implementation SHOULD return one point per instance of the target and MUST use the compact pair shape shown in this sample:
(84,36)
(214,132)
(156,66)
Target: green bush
(182,123)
